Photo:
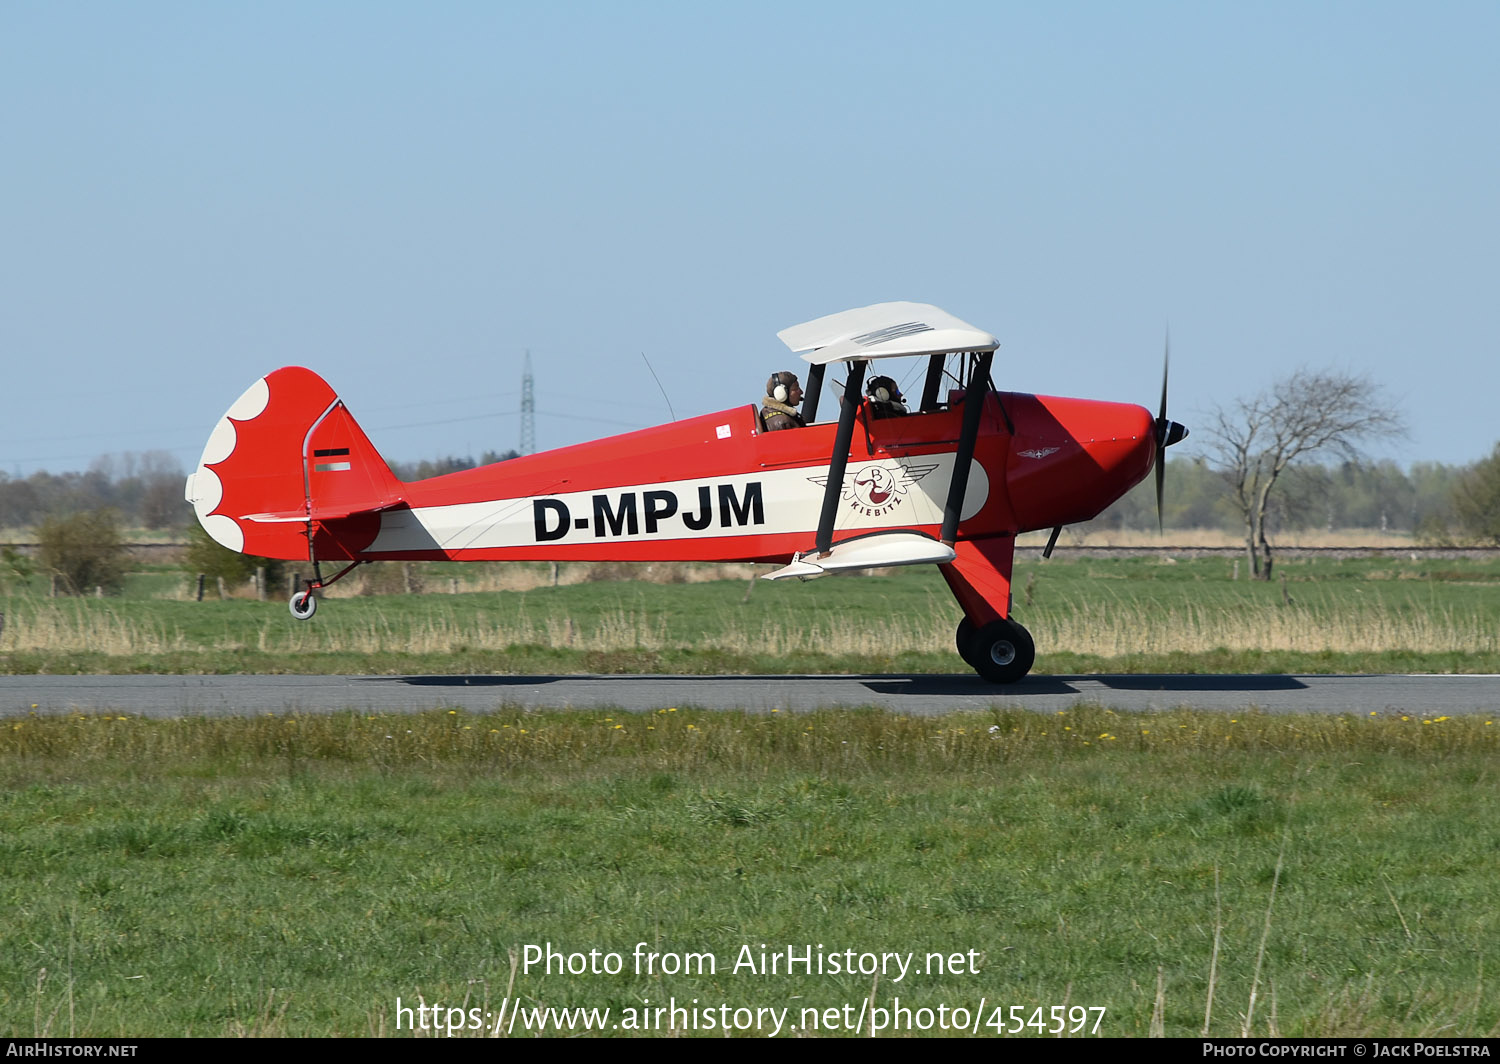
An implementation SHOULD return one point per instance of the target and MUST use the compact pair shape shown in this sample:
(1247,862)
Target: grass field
(1183,872)
(287,875)
(1386,613)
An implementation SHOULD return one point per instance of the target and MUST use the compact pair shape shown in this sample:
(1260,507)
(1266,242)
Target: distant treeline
(146,490)
(1379,495)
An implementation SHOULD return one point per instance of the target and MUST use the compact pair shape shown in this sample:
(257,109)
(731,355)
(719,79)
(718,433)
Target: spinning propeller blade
(1167,432)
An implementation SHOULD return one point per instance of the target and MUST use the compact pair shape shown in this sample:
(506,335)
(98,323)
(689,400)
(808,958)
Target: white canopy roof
(885,330)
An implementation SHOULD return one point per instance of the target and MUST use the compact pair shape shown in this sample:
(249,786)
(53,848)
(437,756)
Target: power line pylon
(528,409)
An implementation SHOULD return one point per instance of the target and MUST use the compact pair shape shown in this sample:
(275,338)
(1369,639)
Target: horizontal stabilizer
(319,513)
(877,550)
(288,517)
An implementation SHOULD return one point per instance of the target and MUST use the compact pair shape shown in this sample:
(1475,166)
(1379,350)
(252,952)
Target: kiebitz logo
(878,489)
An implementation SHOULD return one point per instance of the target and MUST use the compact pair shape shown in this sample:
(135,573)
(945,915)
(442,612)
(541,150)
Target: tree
(1476,501)
(84,551)
(154,484)
(453,463)
(14,566)
(1311,414)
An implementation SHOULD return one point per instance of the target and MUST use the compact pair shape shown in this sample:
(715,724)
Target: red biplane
(287,473)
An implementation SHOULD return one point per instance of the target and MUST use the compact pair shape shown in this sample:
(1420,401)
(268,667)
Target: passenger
(886,399)
(779,408)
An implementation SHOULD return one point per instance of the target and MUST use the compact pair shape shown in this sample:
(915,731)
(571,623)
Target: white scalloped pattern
(253,403)
(204,489)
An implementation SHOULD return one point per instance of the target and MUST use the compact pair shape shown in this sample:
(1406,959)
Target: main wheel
(303,605)
(963,638)
(1001,652)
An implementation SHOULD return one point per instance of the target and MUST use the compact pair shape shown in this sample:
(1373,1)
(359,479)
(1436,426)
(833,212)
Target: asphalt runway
(177,696)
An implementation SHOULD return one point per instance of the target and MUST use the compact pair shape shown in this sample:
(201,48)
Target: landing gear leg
(990,643)
(303,604)
(1001,651)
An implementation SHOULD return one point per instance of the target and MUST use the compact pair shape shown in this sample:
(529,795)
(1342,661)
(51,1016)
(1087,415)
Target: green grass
(294,875)
(1376,614)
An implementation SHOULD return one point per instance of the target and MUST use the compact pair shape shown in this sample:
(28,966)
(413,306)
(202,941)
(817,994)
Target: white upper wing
(884,330)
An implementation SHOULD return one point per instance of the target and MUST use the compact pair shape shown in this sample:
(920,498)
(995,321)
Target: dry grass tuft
(1113,628)
(72,627)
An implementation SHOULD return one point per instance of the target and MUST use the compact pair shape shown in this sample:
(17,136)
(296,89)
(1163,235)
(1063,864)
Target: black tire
(303,605)
(963,638)
(1002,652)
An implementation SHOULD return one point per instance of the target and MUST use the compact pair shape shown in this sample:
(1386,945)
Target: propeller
(1167,432)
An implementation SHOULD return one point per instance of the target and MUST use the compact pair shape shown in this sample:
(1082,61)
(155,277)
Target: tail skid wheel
(303,605)
(1001,651)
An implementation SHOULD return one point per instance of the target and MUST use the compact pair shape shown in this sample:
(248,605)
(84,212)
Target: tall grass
(1113,626)
(1104,627)
(1380,614)
(77,625)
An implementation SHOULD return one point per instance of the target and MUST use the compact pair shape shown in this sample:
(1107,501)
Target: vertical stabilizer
(287,461)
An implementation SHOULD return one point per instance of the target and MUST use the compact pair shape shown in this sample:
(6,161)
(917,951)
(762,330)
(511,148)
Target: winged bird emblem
(878,486)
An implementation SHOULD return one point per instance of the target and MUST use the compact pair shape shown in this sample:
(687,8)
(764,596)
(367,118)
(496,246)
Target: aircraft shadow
(474,681)
(928,684)
(1232,684)
(1064,685)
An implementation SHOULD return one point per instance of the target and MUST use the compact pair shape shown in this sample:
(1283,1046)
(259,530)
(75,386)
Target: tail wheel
(303,605)
(1001,651)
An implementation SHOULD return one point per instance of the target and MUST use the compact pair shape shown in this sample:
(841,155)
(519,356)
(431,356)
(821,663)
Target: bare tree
(1311,414)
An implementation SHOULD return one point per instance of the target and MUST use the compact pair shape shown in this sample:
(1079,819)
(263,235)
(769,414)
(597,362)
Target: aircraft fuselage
(717,488)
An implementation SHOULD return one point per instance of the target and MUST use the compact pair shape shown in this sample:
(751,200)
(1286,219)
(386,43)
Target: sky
(409,198)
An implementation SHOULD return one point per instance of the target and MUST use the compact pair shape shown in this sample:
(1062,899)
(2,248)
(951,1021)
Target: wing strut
(963,459)
(839,460)
(814,389)
(933,382)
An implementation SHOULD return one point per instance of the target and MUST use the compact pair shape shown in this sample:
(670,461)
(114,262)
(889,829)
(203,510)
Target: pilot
(886,399)
(779,408)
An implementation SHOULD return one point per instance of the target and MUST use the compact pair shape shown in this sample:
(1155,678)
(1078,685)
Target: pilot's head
(784,388)
(884,390)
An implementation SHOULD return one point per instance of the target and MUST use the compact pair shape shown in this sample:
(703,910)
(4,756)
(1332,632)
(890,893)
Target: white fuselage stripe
(890,493)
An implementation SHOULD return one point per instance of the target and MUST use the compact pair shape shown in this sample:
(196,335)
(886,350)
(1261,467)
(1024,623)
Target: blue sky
(407,197)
